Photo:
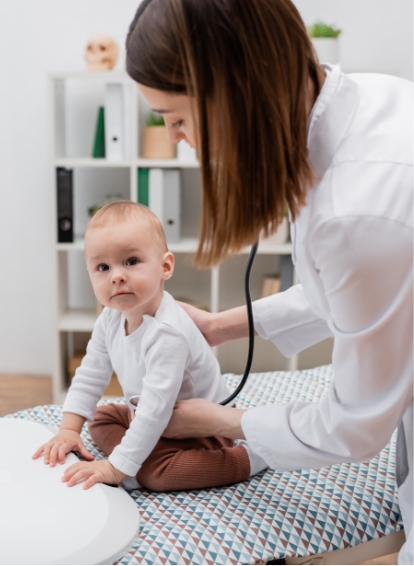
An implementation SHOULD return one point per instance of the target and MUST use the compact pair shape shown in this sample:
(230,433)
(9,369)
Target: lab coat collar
(330,118)
(328,123)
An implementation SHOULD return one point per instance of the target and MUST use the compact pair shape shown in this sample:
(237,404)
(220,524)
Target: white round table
(43,521)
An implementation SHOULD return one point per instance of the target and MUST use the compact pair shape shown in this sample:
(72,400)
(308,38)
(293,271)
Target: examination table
(349,511)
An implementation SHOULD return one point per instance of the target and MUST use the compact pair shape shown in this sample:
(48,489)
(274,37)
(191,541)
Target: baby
(157,353)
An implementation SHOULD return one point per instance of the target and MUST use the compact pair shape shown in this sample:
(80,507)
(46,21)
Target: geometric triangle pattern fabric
(272,515)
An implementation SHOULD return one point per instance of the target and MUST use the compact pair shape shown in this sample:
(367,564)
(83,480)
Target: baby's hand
(65,441)
(100,471)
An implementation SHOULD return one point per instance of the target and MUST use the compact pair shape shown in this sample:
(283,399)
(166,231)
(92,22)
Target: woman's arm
(196,418)
(219,327)
(286,319)
(366,269)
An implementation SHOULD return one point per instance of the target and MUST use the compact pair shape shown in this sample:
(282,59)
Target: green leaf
(155,119)
(319,29)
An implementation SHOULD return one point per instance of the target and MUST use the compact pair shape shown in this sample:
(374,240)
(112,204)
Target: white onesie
(165,359)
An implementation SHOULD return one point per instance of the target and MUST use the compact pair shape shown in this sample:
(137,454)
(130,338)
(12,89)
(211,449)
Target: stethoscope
(134,400)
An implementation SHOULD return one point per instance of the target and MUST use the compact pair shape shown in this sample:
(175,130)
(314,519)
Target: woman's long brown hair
(247,63)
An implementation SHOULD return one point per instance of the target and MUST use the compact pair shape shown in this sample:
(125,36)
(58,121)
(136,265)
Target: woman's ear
(168,262)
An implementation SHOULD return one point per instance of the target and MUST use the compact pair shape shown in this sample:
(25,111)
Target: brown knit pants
(194,463)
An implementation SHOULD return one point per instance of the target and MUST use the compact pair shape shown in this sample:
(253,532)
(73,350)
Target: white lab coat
(353,252)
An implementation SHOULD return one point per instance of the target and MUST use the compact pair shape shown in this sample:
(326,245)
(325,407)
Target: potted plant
(156,142)
(325,42)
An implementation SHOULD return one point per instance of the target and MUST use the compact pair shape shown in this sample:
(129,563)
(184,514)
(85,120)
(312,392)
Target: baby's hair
(124,210)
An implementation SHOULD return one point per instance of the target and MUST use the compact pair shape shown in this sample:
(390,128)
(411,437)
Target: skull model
(101,53)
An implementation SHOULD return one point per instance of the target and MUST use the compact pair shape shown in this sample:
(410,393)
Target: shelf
(71,281)
(89,162)
(189,245)
(76,246)
(107,76)
(186,245)
(278,249)
(77,320)
(99,162)
(167,163)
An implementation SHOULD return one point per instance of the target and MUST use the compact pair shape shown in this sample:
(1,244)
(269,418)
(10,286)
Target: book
(64,187)
(98,150)
(271,285)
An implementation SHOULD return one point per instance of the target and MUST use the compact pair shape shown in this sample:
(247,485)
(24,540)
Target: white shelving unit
(73,102)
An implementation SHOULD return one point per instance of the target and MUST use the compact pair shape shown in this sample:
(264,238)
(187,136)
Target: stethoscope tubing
(246,374)
(134,400)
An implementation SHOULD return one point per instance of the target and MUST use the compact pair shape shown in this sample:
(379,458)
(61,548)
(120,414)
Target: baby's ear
(168,262)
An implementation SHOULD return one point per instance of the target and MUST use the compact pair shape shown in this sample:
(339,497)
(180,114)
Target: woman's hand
(219,327)
(56,449)
(100,471)
(205,322)
(195,418)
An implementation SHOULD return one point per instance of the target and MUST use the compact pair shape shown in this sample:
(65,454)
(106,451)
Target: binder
(98,150)
(143,186)
(114,121)
(171,211)
(127,120)
(164,200)
(118,119)
(64,186)
(156,193)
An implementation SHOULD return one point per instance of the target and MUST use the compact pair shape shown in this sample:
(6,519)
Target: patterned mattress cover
(273,515)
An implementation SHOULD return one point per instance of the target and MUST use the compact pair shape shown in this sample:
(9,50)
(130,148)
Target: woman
(238,79)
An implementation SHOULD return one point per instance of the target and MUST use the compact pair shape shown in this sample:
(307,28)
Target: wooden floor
(18,392)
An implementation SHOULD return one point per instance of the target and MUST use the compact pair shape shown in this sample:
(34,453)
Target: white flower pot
(327,49)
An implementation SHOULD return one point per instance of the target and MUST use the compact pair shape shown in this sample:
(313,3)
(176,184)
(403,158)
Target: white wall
(37,37)
(377,35)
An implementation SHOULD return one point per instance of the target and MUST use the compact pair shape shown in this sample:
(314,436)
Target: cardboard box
(75,362)
(113,390)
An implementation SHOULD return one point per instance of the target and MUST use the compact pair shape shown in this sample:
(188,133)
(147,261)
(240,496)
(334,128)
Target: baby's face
(127,266)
